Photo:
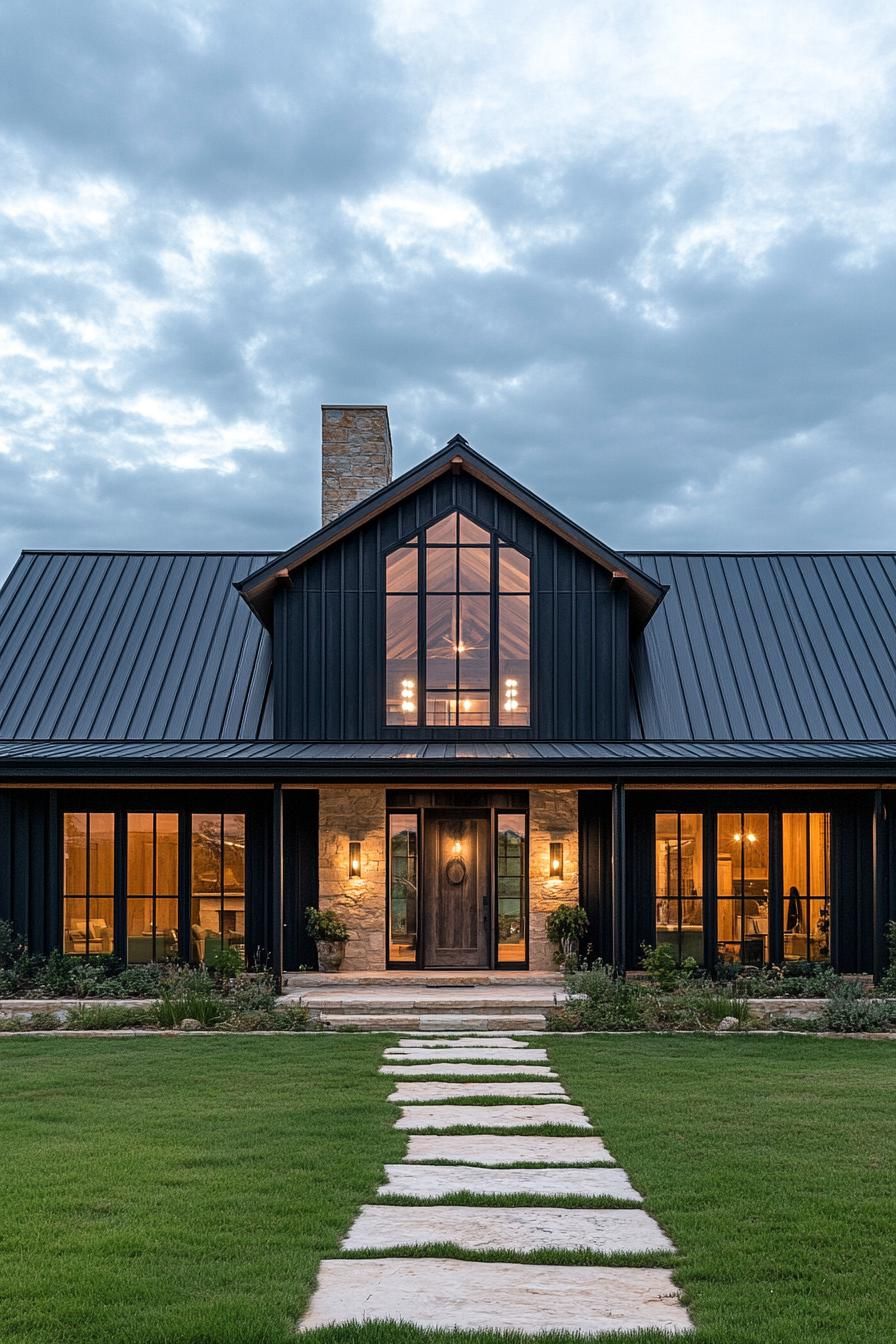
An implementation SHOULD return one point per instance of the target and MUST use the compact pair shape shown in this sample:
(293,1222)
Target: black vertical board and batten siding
(330,646)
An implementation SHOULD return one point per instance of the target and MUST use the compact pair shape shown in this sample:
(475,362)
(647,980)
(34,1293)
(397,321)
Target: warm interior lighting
(460,648)
(457,847)
(556,859)
(354,858)
(466,705)
(511,703)
(408,702)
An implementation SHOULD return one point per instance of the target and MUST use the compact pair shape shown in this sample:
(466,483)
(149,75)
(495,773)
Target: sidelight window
(511,883)
(403,887)
(457,629)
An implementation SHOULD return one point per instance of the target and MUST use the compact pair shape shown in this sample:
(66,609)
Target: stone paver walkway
(436,1291)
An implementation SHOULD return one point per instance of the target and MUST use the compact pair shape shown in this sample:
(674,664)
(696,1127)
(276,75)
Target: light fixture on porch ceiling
(354,858)
(556,858)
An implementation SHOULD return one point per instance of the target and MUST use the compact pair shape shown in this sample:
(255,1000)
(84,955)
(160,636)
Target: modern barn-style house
(445,713)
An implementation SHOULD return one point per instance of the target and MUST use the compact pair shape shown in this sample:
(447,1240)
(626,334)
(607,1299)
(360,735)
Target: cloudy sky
(643,256)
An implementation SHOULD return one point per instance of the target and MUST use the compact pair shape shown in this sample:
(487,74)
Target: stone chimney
(357,456)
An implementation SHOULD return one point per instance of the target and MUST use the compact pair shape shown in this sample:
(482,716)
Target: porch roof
(416,761)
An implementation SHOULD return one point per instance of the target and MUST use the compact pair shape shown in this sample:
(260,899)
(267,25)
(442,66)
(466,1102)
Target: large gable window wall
(467,592)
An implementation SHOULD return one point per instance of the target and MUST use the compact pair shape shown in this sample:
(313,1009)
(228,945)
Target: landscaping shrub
(565,927)
(109,1017)
(599,1000)
(848,1010)
(888,980)
(663,969)
(190,993)
(45,1020)
(793,980)
(292,1018)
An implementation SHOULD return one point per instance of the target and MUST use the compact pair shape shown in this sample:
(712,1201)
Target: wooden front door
(457,891)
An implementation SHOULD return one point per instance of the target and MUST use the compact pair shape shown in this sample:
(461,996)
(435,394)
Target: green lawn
(183,1191)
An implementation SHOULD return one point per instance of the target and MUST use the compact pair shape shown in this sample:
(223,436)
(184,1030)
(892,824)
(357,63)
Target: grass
(183,1191)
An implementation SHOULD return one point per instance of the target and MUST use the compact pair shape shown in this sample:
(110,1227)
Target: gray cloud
(662,297)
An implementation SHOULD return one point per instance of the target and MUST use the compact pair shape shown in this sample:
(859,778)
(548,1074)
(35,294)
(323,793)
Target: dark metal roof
(119,645)
(792,648)
(457,454)
(457,762)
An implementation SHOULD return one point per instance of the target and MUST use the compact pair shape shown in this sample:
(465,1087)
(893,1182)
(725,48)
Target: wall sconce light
(556,858)
(354,858)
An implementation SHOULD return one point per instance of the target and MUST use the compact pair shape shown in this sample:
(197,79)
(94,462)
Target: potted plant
(566,927)
(331,935)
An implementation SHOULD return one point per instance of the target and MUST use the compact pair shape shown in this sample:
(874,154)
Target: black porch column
(880,895)
(617,869)
(276,887)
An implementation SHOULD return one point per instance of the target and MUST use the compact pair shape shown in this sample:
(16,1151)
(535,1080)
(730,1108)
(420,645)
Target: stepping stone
(380,1227)
(469,1295)
(500,1149)
(423,1182)
(463,1043)
(492,1117)
(457,1091)
(438,1068)
(488,1055)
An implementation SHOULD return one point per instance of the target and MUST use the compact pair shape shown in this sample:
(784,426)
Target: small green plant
(565,927)
(191,993)
(849,1010)
(326,927)
(599,1000)
(888,979)
(226,963)
(663,969)
(292,1018)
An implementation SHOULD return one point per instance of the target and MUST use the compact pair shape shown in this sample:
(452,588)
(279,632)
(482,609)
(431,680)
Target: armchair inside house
(100,935)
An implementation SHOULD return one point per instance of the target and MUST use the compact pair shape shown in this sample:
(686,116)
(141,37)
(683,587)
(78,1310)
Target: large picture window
(742,880)
(152,878)
(467,593)
(88,883)
(218,885)
(679,883)
(806,846)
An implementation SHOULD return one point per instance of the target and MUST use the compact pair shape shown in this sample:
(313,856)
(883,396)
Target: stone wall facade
(356,449)
(553,815)
(355,812)
(358,812)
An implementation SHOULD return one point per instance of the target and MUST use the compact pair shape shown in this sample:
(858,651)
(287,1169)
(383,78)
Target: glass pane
(667,857)
(473,709)
(795,855)
(473,645)
(819,854)
(728,852)
(234,852)
(471,532)
(441,709)
(401,570)
(102,854)
(141,947)
(806,862)
(513,660)
(101,925)
(679,883)
(140,855)
(444,531)
(728,929)
(819,931)
(475,569)
(513,571)
(166,854)
(401,660)
(441,569)
(206,854)
(74,926)
(403,880)
(74,865)
(441,642)
(511,894)
(205,928)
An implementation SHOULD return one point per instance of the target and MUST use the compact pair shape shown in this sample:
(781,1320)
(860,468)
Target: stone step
(474,1295)
(492,1117)
(439,1069)
(490,1150)
(472,1055)
(432,1182)
(381,1227)
(305,980)
(370,1021)
(415,1091)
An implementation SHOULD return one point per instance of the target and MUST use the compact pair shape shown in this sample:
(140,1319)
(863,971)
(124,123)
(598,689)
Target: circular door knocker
(456,871)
